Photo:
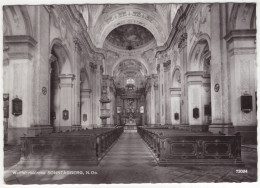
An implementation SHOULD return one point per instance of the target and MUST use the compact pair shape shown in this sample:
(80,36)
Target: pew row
(71,148)
(178,147)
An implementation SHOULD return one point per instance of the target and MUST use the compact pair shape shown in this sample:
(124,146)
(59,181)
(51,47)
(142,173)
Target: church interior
(152,92)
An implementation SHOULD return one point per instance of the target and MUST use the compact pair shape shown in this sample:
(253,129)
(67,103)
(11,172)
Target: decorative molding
(64,76)
(86,90)
(93,66)
(178,27)
(5,48)
(101,69)
(14,39)
(167,65)
(183,40)
(237,34)
(158,68)
(242,51)
(77,43)
(52,58)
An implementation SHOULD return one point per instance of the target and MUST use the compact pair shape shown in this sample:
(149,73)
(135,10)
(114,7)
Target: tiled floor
(130,161)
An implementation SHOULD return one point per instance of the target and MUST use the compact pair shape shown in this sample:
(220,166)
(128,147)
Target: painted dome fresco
(129,36)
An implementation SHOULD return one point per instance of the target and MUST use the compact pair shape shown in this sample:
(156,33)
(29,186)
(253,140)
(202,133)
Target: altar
(130,125)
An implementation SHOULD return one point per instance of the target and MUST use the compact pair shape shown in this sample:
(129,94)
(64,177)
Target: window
(130,81)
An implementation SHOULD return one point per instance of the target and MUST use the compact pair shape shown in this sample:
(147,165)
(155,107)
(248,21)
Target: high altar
(129,105)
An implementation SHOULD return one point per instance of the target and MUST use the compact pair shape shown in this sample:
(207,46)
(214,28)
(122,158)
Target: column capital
(66,80)
(93,66)
(182,41)
(67,76)
(167,65)
(77,44)
(158,68)
(242,33)
(101,69)
(52,58)
(86,91)
(19,46)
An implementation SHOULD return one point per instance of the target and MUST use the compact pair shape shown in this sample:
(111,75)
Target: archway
(176,97)
(85,99)
(198,80)
(134,14)
(60,87)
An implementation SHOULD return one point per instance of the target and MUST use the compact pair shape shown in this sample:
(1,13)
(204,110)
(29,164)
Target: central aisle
(128,151)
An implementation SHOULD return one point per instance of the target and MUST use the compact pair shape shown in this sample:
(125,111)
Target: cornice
(82,32)
(236,34)
(178,25)
(14,39)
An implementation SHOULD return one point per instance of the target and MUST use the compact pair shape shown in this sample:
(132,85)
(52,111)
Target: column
(94,101)
(175,105)
(85,108)
(77,64)
(20,50)
(167,103)
(242,60)
(66,101)
(195,97)
(98,95)
(154,100)
(218,104)
(158,101)
(182,45)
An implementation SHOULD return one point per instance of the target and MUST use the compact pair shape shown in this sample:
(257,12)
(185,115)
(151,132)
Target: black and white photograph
(129,93)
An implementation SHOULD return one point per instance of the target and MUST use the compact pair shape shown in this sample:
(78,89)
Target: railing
(178,147)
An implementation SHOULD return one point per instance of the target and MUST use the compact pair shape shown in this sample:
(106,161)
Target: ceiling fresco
(130,69)
(129,37)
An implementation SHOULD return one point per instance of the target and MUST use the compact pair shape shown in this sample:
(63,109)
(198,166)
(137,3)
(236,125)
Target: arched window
(130,81)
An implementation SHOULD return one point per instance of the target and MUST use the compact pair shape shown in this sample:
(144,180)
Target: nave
(130,161)
(79,79)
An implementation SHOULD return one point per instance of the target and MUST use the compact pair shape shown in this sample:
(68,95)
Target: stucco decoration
(129,37)
(149,56)
(132,14)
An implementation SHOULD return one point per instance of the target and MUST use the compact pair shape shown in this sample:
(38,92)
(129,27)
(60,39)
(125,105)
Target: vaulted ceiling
(132,31)
(102,19)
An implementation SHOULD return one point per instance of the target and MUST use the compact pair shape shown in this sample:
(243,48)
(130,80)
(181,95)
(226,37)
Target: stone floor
(129,161)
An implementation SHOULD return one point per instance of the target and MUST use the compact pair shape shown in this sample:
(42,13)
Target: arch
(142,61)
(17,20)
(27,20)
(133,15)
(241,16)
(253,20)
(202,36)
(62,53)
(176,77)
(84,79)
(233,16)
(199,50)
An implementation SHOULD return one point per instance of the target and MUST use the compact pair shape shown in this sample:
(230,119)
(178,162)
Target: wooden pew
(78,147)
(179,147)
